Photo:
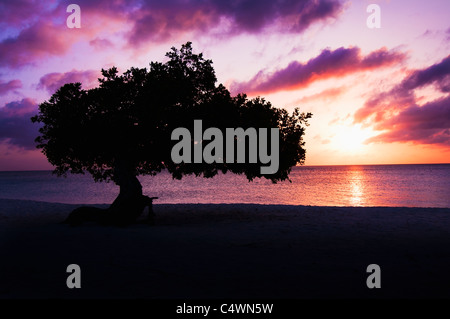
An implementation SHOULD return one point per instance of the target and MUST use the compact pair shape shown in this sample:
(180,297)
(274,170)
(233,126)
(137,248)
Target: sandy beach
(227,251)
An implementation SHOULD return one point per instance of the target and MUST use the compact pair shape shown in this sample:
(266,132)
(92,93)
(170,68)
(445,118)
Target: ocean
(365,185)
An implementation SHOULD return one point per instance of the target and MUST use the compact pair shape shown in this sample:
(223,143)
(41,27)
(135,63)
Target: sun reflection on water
(356,180)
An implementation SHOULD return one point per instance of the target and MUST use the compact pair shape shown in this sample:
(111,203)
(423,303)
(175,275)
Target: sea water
(366,185)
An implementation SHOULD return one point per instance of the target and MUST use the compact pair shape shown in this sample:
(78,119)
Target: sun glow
(351,138)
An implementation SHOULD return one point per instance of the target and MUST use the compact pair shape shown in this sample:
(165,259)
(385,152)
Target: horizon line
(306,165)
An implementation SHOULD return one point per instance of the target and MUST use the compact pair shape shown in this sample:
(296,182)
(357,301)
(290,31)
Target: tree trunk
(126,208)
(130,203)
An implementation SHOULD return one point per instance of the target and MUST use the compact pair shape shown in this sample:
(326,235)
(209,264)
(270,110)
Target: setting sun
(351,139)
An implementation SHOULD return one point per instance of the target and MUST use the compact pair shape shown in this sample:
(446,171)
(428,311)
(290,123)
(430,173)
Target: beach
(208,251)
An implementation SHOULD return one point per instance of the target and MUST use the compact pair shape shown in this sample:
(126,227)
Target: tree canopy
(128,120)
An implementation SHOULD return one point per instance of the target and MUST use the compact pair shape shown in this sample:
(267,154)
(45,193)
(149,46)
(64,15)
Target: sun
(351,138)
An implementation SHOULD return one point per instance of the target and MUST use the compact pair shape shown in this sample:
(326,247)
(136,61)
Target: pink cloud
(6,87)
(401,96)
(398,112)
(327,64)
(427,124)
(53,81)
(39,41)
(325,95)
(44,33)
(101,44)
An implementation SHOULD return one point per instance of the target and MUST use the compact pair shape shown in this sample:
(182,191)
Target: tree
(122,128)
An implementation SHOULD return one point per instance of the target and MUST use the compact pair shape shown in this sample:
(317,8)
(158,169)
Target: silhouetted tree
(122,128)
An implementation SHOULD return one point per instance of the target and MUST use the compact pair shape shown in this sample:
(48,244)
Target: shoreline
(207,251)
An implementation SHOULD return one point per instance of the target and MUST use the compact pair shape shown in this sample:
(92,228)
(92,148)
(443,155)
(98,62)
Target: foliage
(130,118)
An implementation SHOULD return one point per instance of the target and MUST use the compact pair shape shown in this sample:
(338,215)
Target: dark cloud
(312,11)
(398,112)
(20,12)
(16,127)
(160,20)
(53,81)
(327,64)
(437,74)
(12,85)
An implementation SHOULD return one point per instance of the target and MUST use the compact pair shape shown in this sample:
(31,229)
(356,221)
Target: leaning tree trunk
(129,203)
(126,208)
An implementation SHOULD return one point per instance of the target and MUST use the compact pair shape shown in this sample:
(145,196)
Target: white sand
(227,251)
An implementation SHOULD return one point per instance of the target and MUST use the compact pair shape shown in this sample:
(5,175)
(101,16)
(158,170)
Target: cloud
(159,20)
(53,81)
(325,95)
(426,124)
(340,120)
(42,40)
(401,96)
(437,74)
(16,127)
(327,64)
(398,112)
(323,141)
(20,12)
(38,30)
(5,87)
(101,44)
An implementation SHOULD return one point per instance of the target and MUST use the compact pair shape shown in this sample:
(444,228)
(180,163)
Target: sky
(379,93)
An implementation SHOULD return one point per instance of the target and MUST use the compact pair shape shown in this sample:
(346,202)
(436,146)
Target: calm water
(378,185)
